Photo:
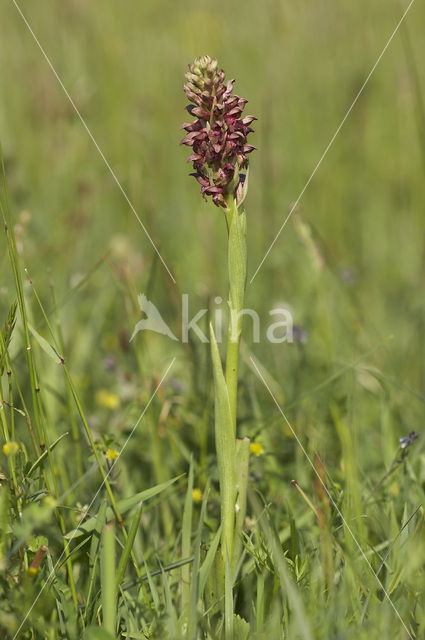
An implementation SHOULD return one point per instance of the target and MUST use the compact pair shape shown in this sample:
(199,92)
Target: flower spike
(218,136)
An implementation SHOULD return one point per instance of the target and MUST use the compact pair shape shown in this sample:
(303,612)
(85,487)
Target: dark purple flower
(218,136)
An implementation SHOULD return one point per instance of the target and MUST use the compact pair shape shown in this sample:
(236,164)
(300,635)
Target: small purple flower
(218,136)
(408,440)
(299,334)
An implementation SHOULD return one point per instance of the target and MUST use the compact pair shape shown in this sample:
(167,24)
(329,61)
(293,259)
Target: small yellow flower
(111,454)
(10,448)
(256,448)
(107,399)
(32,571)
(197,495)
(394,489)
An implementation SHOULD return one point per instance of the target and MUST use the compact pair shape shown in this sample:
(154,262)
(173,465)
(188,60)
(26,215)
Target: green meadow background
(350,264)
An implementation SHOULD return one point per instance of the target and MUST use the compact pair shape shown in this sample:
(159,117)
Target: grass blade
(128,547)
(108,578)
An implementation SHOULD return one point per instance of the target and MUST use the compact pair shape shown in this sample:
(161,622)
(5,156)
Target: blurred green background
(349,263)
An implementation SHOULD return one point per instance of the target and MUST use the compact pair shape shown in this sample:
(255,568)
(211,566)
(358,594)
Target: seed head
(218,136)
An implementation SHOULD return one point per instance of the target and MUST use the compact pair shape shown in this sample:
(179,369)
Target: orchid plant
(220,157)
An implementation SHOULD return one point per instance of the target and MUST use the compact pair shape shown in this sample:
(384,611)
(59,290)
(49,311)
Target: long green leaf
(107,575)
(242,468)
(94,551)
(45,346)
(225,446)
(128,547)
(194,586)
(44,455)
(228,600)
(208,563)
(186,540)
(123,505)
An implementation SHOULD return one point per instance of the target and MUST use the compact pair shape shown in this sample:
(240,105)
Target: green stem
(236,225)
(232,487)
(108,578)
(242,468)
(225,446)
(232,367)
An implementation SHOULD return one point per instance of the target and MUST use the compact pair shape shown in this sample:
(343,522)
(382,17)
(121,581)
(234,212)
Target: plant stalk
(237,258)
(226,387)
